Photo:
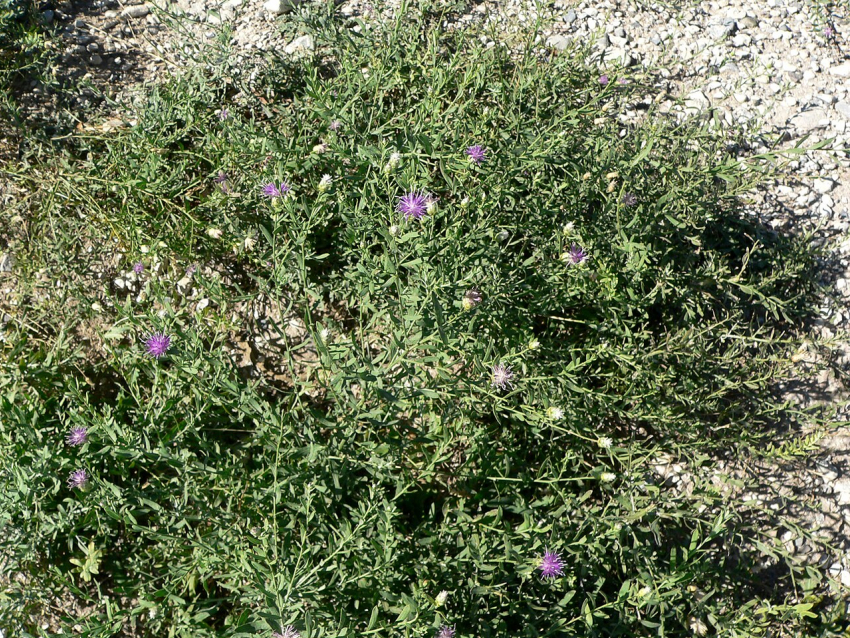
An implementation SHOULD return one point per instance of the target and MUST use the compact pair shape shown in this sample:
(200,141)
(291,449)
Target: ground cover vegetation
(474,311)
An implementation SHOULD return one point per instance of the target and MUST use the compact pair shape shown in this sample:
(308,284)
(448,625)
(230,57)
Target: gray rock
(302,43)
(842,70)
(278,7)
(748,22)
(47,17)
(719,31)
(559,42)
(844,109)
(823,185)
(697,101)
(741,40)
(95,60)
(6,263)
(570,17)
(137,11)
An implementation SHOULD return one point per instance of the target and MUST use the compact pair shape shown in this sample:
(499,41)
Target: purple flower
(157,344)
(413,205)
(77,436)
(78,479)
(576,254)
(502,377)
(828,32)
(288,632)
(446,632)
(551,565)
(191,269)
(476,153)
(221,180)
(335,125)
(603,80)
(223,114)
(272,190)
(138,268)
(629,199)
(471,298)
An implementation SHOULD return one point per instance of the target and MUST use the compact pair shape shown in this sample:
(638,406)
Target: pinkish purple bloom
(221,180)
(446,632)
(551,565)
(413,205)
(629,199)
(576,254)
(77,436)
(603,80)
(78,479)
(335,125)
(157,344)
(828,32)
(288,632)
(272,190)
(191,269)
(476,153)
(502,377)
(223,114)
(471,298)
(138,268)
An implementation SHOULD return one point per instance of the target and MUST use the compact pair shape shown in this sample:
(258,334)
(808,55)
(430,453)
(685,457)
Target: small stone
(278,7)
(137,11)
(741,40)
(79,23)
(47,17)
(844,109)
(302,43)
(747,22)
(842,70)
(570,17)
(95,60)
(823,185)
(6,263)
(558,42)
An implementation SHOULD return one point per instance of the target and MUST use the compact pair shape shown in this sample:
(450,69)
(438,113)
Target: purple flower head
(446,632)
(288,632)
(223,114)
(272,190)
(335,125)
(138,268)
(629,199)
(476,153)
(502,377)
(576,254)
(828,32)
(221,180)
(551,565)
(77,436)
(191,269)
(603,80)
(471,298)
(78,479)
(413,205)
(157,344)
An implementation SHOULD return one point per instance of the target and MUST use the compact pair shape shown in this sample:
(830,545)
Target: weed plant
(397,387)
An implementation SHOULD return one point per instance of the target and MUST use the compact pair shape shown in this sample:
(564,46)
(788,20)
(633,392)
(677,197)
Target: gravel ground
(778,68)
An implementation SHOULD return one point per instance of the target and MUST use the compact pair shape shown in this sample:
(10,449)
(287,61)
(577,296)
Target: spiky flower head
(273,191)
(603,80)
(325,183)
(321,148)
(471,298)
(446,632)
(77,436)
(223,114)
(829,32)
(441,598)
(221,180)
(431,205)
(477,154)
(555,413)
(157,344)
(502,377)
(608,477)
(191,269)
(551,565)
(393,230)
(413,205)
(288,632)
(335,125)
(605,442)
(697,626)
(534,344)
(78,479)
(569,227)
(138,268)
(575,255)
(629,199)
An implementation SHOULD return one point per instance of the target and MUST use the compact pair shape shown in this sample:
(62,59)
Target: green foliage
(365,462)
(23,50)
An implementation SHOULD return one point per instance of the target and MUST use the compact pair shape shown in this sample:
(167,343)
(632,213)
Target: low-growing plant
(448,314)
